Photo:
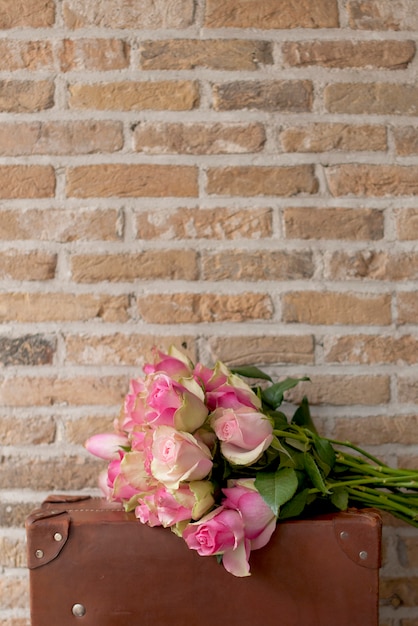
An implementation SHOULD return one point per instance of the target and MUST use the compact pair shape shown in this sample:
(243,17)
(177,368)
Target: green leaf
(250,371)
(276,488)
(302,416)
(314,474)
(273,395)
(325,451)
(339,498)
(295,506)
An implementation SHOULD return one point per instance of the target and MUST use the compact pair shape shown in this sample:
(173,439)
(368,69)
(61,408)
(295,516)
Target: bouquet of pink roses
(198,450)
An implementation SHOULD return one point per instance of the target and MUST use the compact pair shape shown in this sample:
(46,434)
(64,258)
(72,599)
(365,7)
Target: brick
(75,137)
(370,264)
(218,223)
(62,225)
(146,265)
(408,389)
(169,95)
(78,430)
(217,54)
(12,552)
(343,390)
(94,55)
(51,474)
(26,96)
(407,224)
(15,621)
(263,181)
(409,622)
(27,350)
(279,95)
(124,14)
(27,13)
(407,461)
(27,431)
(124,181)
(406,140)
(257,265)
(382,14)
(165,138)
(372,180)
(62,307)
(407,307)
(403,590)
(197,308)
(13,514)
(242,350)
(310,307)
(327,137)
(271,14)
(377,429)
(18,265)
(27,181)
(25,55)
(371,349)
(23,391)
(372,98)
(333,223)
(125,349)
(407,549)
(14,592)
(343,54)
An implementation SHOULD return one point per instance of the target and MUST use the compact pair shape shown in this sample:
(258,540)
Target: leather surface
(318,572)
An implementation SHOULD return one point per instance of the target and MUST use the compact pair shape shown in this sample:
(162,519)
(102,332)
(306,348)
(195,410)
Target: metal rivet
(39,554)
(363,555)
(344,534)
(58,537)
(78,610)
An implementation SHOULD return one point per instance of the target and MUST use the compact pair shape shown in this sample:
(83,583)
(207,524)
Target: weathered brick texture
(236,178)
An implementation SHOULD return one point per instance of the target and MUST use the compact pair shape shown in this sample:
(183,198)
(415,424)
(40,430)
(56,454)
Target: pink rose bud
(106,445)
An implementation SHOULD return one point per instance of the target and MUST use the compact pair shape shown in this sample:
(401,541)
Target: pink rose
(221,532)
(178,457)
(258,518)
(175,364)
(244,434)
(106,445)
(224,389)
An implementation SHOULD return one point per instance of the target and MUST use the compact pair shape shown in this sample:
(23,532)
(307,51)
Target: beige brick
(257,265)
(217,54)
(14,591)
(244,350)
(146,265)
(263,181)
(78,137)
(25,391)
(12,552)
(197,308)
(123,349)
(310,307)
(382,14)
(217,223)
(150,14)
(406,140)
(280,95)
(372,98)
(343,54)
(15,621)
(333,223)
(405,590)
(26,96)
(25,55)
(27,431)
(408,389)
(62,307)
(371,349)
(407,549)
(27,13)
(343,390)
(165,138)
(167,95)
(377,430)
(18,265)
(372,180)
(375,265)
(271,14)
(53,474)
(63,225)
(27,181)
(142,180)
(94,54)
(408,461)
(327,137)
(13,514)
(28,349)
(407,307)
(407,223)
(78,430)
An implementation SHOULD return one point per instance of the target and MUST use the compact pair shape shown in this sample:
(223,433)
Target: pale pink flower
(106,445)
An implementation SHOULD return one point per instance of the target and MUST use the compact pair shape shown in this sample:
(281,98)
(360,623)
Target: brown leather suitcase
(92,564)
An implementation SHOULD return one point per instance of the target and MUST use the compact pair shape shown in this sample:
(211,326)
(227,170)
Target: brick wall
(237,177)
